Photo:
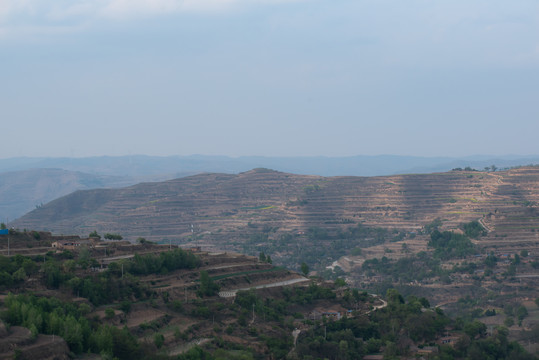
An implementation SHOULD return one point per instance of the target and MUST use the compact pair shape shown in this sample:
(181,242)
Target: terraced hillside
(262,207)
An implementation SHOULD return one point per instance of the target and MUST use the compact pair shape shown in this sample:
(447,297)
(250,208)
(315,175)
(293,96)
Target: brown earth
(19,339)
(217,209)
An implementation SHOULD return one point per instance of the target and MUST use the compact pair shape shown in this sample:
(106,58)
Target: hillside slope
(223,209)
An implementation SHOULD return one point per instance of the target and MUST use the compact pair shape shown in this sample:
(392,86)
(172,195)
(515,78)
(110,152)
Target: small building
(318,314)
(72,244)
(448,340)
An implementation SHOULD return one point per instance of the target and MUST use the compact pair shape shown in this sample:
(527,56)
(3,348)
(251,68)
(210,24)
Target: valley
(465,241)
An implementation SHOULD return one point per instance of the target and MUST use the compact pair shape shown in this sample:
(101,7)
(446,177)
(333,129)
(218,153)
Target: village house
(72,244)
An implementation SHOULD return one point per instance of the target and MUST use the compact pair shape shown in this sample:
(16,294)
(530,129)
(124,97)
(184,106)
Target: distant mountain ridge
(22,191)
(178,166)
(29,182)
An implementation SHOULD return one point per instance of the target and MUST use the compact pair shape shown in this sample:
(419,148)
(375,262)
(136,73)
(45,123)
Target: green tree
(509,321)
(207,286)
(110,236)
(109,313)
(304,268)
(158,340)
(19,275)
(521,312)
(475,328)
(94,234)
(125,306)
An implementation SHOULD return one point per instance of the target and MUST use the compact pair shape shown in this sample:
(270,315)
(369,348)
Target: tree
(158,340)
(109,313)
(94,234)
(509,321)
(125,306)
(207,286)
(393,297)
(521,312)
(3,226)
(491,260)
(475,328)
(405,248)
(110,236)
(304,268)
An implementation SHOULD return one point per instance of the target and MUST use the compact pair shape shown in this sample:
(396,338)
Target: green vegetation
(162,263)
(318,247)
(415,267)
(449,245)
(207,286)
(51,316)
(109,236)
(264,258)
(266,317)
(474,229)
(304,268)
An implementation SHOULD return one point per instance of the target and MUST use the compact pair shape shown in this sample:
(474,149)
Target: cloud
(25,17)
(14,11)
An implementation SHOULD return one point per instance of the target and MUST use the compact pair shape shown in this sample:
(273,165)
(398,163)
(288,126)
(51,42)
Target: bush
(109,313)
(159,340)
(125,306)
(109,236)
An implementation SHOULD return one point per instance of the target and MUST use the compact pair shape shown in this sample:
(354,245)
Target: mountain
(169,167)
(314,217)
(29,182)
(22,191)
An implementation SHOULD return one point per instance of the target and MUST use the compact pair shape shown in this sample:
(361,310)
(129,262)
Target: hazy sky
(269,77)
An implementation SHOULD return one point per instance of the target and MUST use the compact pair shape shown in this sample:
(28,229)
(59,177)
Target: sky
(269,77)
